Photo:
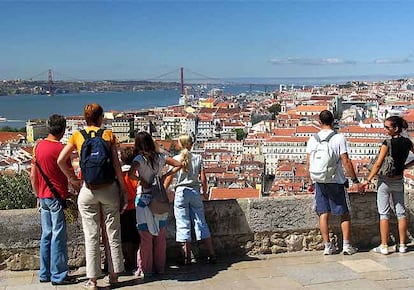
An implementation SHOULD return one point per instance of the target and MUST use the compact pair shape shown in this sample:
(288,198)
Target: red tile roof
(6,137)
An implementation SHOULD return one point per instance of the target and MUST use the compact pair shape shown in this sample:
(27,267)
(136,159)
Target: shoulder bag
(387,167)
(69,206)
(160,203)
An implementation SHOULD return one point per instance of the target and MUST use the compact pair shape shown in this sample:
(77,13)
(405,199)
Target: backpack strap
(316,136)
(85,134)
(326,139)
(99,133)
(329,136)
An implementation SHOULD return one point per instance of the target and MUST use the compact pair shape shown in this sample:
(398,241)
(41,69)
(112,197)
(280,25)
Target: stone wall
(245,226)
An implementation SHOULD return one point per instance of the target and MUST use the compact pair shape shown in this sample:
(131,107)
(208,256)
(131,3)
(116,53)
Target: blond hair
(186,142)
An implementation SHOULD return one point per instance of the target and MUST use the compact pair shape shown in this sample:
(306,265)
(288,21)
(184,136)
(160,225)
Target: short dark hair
(56,124)
(326,117)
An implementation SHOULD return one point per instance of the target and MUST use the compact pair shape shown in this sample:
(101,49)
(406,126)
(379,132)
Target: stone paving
(304,270)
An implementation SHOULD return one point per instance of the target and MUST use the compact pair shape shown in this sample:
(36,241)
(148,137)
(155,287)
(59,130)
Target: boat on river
(3,119)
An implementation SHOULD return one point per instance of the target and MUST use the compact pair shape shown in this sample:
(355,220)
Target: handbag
(69,205)
(159,203)
(387,167)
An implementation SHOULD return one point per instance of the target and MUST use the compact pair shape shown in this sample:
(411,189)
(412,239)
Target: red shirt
(46,153)
(131,188)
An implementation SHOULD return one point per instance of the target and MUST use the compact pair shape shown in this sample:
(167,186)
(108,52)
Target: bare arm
(376,167)
(169,176)
(204,187)
(175,164)
(33,179)
(132,173)
(349,168)
(120,177)
(411,163)
(167,181)
(62,161)
(117,167)
(311,186)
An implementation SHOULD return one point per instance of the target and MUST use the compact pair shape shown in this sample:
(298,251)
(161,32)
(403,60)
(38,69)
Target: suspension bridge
(179,76)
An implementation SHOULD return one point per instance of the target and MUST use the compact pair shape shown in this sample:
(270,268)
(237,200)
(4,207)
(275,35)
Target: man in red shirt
(53,243)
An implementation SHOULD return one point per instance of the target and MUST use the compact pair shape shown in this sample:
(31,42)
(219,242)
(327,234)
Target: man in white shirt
(331,197)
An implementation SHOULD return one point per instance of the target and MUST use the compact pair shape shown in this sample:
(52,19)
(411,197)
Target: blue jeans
(53,244)
(188,207)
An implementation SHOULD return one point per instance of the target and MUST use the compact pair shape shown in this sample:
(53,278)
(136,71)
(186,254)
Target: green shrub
(16,191)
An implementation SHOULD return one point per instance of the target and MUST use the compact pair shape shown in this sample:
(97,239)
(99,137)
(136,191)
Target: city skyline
(219,39)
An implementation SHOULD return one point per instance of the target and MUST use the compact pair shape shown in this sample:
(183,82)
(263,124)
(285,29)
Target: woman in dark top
(392,185)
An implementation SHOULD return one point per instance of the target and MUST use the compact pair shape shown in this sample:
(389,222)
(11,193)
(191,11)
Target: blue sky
(219,39)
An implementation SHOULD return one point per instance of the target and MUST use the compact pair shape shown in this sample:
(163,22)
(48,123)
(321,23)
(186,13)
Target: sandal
(89,285)
(111,280)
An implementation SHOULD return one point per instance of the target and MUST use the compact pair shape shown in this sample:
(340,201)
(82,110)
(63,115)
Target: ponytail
(186,143)
(185,159)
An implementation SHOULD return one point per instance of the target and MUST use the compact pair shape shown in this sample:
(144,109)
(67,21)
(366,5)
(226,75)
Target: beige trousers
(90,202)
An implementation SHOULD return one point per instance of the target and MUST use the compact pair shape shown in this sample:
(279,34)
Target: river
(20,108)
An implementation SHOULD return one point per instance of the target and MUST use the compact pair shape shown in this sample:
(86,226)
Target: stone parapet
(238,227)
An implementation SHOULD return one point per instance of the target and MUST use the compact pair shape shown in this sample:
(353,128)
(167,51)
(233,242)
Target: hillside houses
(15,153)
(271,158)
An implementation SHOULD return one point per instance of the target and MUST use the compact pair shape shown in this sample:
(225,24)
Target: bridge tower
(182,80)
(50,82)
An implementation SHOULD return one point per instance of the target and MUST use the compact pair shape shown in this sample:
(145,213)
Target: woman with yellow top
(92,198)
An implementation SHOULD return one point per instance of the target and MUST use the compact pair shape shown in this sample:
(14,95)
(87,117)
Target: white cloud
(310,61)
(393,60)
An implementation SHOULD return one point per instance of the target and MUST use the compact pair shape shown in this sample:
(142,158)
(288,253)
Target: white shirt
(191,177)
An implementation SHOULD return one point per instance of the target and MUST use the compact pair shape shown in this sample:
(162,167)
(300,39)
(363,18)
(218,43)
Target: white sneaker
(89,285)
(349,250)
(402,248)
(329,250)
(381,249)
(140,274)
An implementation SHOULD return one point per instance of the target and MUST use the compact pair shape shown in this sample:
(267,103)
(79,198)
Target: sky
(151,40)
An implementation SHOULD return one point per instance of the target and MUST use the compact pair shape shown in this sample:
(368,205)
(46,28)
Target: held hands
(365,186)
(360,188)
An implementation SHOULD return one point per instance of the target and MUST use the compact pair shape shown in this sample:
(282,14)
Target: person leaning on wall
(91,199)
(188,203)
(331,198)
(392,186)
(53,243)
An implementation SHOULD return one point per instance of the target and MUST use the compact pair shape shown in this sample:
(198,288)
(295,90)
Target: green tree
(274,109)
(240,134)
(10,129)
(16,191)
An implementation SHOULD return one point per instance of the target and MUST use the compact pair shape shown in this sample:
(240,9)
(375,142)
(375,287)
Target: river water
(20,108)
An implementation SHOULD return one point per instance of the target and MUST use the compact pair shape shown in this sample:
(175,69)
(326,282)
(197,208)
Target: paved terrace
(304,270)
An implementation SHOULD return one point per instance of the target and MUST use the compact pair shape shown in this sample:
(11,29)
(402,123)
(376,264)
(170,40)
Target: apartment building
(123,128)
